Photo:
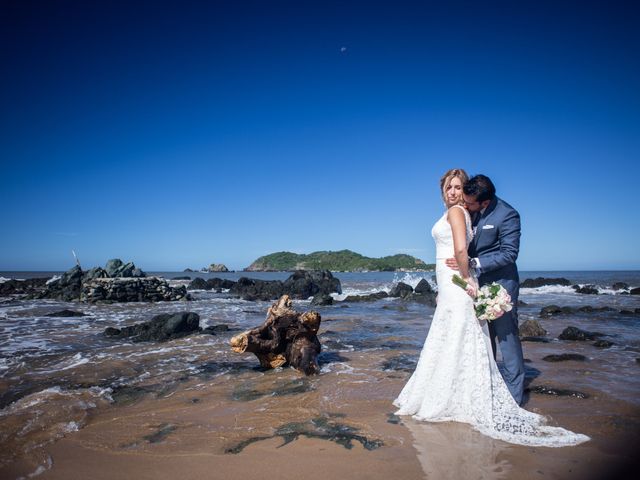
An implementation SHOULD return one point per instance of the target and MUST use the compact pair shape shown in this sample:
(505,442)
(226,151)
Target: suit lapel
(483,220)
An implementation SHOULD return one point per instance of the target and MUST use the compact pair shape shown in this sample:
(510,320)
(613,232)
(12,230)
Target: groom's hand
(452,264)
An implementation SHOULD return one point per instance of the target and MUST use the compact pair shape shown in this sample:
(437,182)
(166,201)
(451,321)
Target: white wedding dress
(457,379)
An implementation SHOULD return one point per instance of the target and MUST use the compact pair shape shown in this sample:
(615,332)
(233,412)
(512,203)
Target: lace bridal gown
(457,379)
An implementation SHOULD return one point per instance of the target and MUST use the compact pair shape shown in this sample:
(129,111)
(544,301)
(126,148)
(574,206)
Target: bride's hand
(472,287)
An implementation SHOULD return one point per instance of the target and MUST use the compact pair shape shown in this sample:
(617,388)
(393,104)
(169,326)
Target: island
(340,261)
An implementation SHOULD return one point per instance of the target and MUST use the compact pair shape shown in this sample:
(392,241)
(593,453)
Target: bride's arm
(458,224)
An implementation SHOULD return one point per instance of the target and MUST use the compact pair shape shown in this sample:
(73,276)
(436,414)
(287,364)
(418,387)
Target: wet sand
(340,424)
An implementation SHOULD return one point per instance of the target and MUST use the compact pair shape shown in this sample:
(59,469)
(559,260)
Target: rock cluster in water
(148,289)
(542,282)
(117,282)
(302,284)
(163,327)
(423,293)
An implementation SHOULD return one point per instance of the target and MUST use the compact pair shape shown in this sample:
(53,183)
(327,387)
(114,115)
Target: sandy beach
(279,424)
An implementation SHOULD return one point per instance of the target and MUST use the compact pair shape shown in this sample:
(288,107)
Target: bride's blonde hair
(450,175)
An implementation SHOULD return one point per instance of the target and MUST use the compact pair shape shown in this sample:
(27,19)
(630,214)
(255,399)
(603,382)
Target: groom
(492,254)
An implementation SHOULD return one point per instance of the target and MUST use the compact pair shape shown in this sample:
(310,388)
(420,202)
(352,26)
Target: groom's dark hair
(481,187)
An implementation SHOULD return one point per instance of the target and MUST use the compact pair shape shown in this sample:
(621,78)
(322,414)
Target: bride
(456,378)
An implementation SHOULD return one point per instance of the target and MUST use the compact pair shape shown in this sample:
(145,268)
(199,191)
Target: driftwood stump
(285,337)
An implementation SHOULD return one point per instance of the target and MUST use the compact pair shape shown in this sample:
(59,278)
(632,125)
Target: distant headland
(340,261)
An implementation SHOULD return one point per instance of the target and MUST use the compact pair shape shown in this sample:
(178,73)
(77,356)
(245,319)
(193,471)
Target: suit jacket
(496,244)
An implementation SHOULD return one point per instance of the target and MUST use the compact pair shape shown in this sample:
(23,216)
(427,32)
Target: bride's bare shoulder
(457,211)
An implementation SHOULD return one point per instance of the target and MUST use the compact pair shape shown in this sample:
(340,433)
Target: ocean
(57,373)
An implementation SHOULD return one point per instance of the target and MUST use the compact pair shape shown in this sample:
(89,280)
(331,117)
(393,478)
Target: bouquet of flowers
(491,302)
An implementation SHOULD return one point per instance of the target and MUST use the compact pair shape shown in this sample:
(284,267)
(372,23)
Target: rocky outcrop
(217,267)
(551,310)
(147,289)
(423,287)
(66,313)
(98,285)
(557,392)
(23,287)
(210,284)
(531,328)
(163,327)
(322,299)
(576,334)
(586,289)
(252,289)
(301,285)
(117,268)
(401,290)
(67,288)
(620,286)
(366,298)
(563,357)
(198,284)
(635,291)
(542,282)
(305,283)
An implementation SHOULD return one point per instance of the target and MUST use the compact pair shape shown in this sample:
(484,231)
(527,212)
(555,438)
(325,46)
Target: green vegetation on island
(341,261)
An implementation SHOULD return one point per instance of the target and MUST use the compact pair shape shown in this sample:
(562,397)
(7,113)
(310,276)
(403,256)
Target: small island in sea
(340,261)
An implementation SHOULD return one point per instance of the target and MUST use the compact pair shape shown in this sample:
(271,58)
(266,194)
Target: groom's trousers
(504,333)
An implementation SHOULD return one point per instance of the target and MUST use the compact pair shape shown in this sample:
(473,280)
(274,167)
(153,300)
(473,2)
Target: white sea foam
(67,364)
(55,278)
(546,289)
(32,400)
(414,278)
(48,463)
(3,279)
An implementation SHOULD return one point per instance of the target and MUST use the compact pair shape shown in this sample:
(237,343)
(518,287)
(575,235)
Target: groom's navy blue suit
(496,243)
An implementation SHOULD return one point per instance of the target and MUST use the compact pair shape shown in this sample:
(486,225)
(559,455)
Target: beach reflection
(455,451)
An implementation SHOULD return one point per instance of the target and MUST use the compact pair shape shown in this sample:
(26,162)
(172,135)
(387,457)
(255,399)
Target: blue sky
(178,134)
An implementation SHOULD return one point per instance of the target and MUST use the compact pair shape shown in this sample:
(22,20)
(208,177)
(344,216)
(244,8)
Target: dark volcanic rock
(21,287)
(541,282)
(603,344)
(217,329)
(576,334)
(559,392)
(163,327)
(251,289)
(401,289)
(219,283)
(551,310)
(366,298)
(185,277)
(635,291)
(96,272)
(131,289)
(402,362)
(304,284)
(198,284)
(590,309)
(535,339)
(116,268)
(67,287)
(66,313)
(531,328)
(425,298)
(423,287)
(620,286)
(322,299)
(564,356)
(586,289)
